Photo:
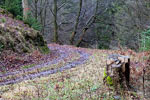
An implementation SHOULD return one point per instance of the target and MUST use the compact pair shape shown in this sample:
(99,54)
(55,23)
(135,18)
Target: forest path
(66,54)
(76,75)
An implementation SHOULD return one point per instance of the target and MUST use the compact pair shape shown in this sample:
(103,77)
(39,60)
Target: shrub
(18,17)
(13,6)
(33,22)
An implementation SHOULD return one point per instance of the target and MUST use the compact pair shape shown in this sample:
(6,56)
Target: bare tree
(36,8)
(55,21)
(76,24)
(88,24)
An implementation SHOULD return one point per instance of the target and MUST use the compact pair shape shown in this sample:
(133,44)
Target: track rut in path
(26,74)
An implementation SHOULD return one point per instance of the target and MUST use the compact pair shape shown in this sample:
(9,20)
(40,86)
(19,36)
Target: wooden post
(118,68)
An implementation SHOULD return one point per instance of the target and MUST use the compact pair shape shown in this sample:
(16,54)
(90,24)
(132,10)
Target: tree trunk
(55,22)
(76,24)
(89,23)
(25,6)
(81,37)
(36,8)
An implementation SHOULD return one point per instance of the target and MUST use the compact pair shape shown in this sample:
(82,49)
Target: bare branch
(88,24)
(77,22)
(61,6)
(51,11)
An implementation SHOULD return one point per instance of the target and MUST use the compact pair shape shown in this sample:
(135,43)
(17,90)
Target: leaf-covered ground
(82,82)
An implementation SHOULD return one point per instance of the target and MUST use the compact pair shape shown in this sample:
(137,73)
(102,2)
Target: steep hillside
(17,36)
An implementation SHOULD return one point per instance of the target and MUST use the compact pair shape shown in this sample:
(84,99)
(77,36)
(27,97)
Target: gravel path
(18,76)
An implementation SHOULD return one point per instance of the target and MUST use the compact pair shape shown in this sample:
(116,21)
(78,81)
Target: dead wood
(118,68)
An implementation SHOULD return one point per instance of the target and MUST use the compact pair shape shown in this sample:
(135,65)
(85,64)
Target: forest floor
(68,73)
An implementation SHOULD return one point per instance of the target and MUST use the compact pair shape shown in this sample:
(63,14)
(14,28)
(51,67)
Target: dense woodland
(74,49)
(104,24)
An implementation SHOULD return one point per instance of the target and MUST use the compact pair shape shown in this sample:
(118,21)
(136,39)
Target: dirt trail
(29,73)
(87,67)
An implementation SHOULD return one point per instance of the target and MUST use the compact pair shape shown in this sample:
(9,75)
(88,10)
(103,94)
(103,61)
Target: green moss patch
(28,66)
(107,78)
(44,49)
(3,20)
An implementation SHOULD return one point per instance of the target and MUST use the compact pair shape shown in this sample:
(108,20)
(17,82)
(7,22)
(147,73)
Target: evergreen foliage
(145,40)
(13,6)
(33,22)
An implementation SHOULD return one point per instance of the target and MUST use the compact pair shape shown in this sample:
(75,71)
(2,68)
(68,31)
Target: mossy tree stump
(118,69)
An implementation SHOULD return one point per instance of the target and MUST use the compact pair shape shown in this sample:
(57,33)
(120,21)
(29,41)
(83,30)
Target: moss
(21,38)
(105,74)
(39,41)
(25,50)
(28,66)
(1,46)
(30,34)
(2,40)
(5,12)
(44,49)
(3,20)
(108,78)
(11,45)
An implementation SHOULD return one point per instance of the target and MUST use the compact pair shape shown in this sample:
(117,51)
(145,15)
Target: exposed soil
(15,73)
(14,61)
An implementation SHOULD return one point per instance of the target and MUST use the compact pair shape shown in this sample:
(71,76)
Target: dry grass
(81,83)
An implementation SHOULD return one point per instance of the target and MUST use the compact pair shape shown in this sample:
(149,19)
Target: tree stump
(118,68)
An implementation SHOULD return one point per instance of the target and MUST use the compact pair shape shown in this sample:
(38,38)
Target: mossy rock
(20,37)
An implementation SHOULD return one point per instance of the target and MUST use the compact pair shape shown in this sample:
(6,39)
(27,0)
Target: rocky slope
(17,36)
